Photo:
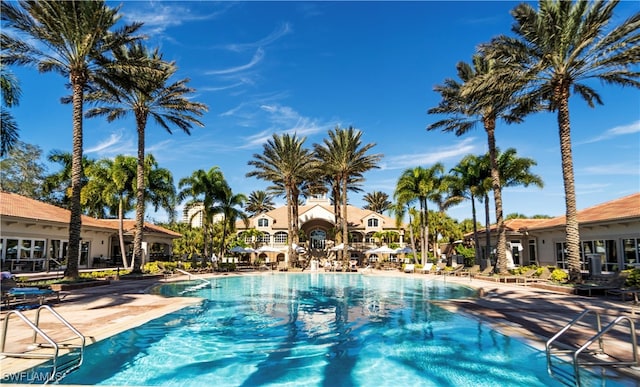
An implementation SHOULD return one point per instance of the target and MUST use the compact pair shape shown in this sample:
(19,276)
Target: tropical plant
(466,111)
(417,185)
(259,202)
(377,201)
(74,39)
(203,188)
(145,95)
(556,49)
(10,92)
(285,163)
(56,187)
(345,158)
(229,205)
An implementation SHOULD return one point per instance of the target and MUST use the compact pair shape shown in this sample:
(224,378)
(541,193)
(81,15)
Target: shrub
(633,278)
(559,275)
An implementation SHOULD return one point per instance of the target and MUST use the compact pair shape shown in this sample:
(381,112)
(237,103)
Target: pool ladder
(54,366)
(599,353)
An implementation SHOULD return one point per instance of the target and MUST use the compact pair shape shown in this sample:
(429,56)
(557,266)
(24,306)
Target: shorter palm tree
(377,201)
(259,202)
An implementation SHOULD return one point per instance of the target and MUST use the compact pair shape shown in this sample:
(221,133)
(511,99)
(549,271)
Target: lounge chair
(455,270)
(409,268)
(17,296)
(470,272)
(486,274)
(427,268)
(616,282)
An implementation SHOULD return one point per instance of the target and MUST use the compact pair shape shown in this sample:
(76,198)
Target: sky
(308,67)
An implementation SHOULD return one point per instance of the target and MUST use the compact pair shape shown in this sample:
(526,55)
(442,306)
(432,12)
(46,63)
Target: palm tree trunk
(475,234)
(413,240)
(487,227)
(123,253)
(426,230)
(75,221)
(289,223)
(141,121)
(345,224)
(501,252)
(561,94)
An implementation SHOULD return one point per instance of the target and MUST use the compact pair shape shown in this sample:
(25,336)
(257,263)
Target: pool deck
(532,313)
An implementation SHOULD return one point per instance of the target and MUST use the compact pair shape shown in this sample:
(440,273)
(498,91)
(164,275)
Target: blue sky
(307,67)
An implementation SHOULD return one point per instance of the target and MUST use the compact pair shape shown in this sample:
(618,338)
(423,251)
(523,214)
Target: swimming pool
(315,330)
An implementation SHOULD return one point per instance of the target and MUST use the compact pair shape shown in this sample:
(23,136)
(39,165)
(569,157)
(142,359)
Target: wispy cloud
(158,15)
(257,58)
(278,33)
(115,144)
(462,148)
(284,119)
(622,130)
(620,169)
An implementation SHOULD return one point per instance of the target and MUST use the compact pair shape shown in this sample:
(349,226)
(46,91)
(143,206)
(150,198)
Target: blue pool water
(315,330)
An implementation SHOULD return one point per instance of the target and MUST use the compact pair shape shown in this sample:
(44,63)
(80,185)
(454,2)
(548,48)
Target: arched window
(318,239)
(373,222)
(264,238)
(263,222)
(280,238)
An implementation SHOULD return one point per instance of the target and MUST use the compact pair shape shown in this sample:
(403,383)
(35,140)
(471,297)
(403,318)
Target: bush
(633,278)
(559,275)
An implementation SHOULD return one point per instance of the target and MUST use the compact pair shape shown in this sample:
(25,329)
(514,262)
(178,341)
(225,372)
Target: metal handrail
(634,345)
(35,326)
(598,336)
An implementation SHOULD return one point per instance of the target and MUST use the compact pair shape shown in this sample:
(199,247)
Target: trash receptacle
(595,264)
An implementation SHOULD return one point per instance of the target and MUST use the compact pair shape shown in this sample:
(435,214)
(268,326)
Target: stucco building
(34,237)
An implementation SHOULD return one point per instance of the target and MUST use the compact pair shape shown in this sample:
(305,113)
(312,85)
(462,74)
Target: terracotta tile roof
(513,225)
(627,207)
(19,206)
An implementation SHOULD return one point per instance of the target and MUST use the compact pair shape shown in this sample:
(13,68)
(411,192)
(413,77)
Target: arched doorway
(317,239)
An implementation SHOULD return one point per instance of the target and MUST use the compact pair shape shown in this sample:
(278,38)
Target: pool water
(315,330)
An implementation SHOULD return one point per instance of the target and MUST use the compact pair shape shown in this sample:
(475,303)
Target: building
(367,230)
(609,233)
(194,215)
(34,237)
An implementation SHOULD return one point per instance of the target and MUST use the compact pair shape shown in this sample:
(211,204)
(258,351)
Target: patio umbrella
(340,247)
(267,249)
(240,249)
(404,250)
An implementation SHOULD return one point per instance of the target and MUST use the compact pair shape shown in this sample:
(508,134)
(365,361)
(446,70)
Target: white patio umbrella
(381,250)
(267,249)
(340,247)
(404,250)
(240,249)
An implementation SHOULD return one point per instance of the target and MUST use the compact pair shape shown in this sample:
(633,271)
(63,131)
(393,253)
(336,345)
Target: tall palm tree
(285,163)
(259,202)
(147,95)
(229,205)
(74,39)
(10,91)
(466,112)
(558,49)
(203,188)
(345,157)
(418,184)
(57,186)
(111,184)
(400,210)
(377,201)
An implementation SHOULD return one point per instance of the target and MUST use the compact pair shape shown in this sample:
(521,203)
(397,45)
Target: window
(265,237)
(263,222)
(24,248)
(533,256)
(280,238)
(631,248)
(372,222)
(369,238)
(607,251)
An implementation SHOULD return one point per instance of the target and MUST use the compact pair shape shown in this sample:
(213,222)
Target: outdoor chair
(21,296)
(470,272)
(427,268)
(409,268)
(455,270)
(616,282)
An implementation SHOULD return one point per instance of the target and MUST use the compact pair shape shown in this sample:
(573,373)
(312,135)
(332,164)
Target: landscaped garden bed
(78,285)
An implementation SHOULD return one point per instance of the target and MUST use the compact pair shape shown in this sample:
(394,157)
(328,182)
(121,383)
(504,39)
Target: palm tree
(160,191)
(57,186)
(400,210)
(111,184)
(377,201)
(10,90)
(143,96)
(444,198)
(418,184)
(203,188)
(346,159)
(229,206)
(466,112)
(72,38)
(285,163)
(560,47)
(259,202)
